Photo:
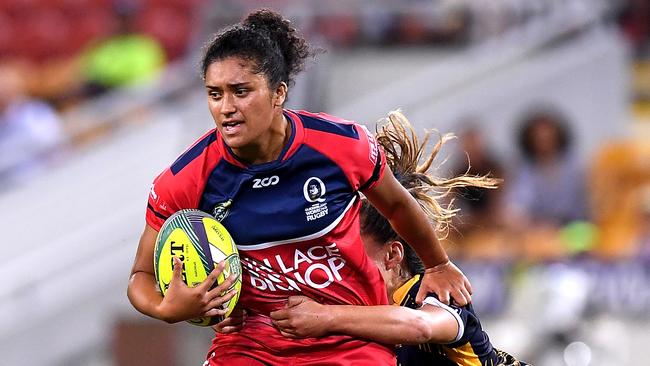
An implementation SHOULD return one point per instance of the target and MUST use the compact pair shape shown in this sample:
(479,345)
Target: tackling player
(433,334)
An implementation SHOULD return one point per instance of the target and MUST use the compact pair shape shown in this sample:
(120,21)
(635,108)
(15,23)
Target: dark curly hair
(544,115)
(265,38)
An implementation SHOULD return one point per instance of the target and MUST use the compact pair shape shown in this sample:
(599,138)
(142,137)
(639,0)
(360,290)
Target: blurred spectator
(478,225)
(125,41)
(30,130)
(619,187)
(479,207)
(548,188)
(635,21)
(126,58)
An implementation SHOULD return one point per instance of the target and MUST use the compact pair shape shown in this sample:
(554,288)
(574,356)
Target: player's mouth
(231,127)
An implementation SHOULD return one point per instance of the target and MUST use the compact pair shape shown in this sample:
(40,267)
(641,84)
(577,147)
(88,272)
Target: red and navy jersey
(295,220)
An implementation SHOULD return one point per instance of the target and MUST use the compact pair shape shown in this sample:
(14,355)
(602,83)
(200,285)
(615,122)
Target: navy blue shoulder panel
(193,152)
(320,124)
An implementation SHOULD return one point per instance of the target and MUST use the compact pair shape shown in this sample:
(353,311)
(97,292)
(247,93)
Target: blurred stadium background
(97,96)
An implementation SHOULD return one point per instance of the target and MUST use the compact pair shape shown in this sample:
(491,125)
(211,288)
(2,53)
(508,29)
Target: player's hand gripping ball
(200,242)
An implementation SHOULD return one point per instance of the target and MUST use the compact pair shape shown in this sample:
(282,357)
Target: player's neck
(270,146)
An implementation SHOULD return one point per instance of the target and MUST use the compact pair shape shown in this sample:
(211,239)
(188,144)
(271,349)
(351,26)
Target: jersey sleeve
(180,185)
(166,196)
(371,160)
(458,314)
(468,323)
(350,145)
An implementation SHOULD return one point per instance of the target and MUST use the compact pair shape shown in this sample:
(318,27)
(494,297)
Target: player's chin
(235,141)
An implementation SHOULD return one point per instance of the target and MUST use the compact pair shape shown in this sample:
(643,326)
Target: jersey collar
(400,295)
(295,140)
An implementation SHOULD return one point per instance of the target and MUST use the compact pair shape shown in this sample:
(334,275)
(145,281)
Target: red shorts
(260,344)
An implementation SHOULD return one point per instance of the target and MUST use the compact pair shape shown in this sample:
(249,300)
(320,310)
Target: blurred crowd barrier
(587,286)
(69,49)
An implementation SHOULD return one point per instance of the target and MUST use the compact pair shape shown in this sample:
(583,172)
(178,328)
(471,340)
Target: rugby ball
(200,242)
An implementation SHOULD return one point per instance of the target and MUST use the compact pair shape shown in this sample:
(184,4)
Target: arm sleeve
(454,311)
(163,200)
(468,322)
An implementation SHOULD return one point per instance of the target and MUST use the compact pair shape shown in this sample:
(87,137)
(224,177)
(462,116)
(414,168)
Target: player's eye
(214,95)
(240,92)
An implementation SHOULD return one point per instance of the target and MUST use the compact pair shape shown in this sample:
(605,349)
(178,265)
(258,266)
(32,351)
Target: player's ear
(394,254)
(280,94)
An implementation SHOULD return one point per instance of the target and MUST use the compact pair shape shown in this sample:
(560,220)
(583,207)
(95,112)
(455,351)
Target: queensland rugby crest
(221,210)
(314,190)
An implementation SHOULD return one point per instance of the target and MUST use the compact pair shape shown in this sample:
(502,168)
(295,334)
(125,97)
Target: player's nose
(228,106)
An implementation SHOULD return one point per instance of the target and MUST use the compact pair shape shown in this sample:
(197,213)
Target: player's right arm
(389,324)
(180,302)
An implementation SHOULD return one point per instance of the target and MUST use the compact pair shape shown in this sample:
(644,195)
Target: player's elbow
(130,290)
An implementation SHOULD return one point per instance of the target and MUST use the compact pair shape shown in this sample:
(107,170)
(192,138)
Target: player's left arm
(441,276)
(389,324)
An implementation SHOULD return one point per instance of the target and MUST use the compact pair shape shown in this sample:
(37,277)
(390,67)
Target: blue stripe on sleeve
(193,153)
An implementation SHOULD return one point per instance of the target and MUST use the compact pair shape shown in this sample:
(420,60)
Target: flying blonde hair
(404,154)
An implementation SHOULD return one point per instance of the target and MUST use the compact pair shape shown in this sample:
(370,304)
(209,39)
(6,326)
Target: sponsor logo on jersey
(221,210)
(266,182)
(158,203)
(314,190)
(152,191)
(373,151)
(317,267)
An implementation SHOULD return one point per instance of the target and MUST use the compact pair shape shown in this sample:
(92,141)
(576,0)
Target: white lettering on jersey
(314,190)
(153,193)
(317,267)
(374,149)
(159,203)
(373,152)
(266,182)
(316,211)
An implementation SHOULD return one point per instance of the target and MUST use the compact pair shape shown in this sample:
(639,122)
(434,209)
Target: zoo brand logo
(265,182)
(314,190)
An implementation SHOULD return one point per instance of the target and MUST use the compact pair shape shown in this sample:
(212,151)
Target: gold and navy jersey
(471,347)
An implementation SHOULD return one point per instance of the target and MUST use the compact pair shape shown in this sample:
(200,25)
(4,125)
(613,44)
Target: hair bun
(268,21)
(294,48)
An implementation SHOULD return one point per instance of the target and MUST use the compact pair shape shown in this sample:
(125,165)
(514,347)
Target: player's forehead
(232,71)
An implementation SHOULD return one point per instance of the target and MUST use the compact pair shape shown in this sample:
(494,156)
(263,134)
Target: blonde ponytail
(404,154)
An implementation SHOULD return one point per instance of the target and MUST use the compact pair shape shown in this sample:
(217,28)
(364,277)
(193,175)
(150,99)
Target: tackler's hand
(233,323)
(301,318)
(446,281)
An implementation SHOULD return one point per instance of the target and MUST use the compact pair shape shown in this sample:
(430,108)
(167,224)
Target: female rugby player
(287,185)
